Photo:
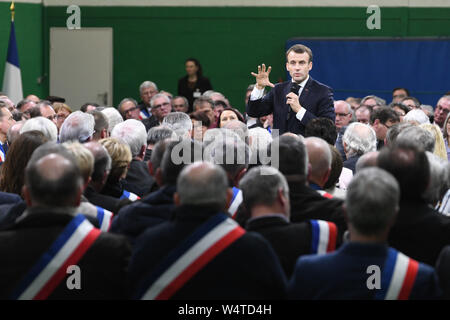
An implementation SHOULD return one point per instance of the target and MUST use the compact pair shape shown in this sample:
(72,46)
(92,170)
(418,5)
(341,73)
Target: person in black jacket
(194,83)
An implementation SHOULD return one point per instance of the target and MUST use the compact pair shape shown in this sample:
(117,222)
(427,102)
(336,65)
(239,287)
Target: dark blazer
(307,203)
(150,211)
(420,231)
(150,122)
(103,267)
(107,202)
(138,179)
(350,163)
(203,84)
(443,271)
(247,269)
(343,275)
(289,240)
(316,98)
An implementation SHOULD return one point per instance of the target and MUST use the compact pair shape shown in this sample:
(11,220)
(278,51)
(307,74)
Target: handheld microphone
(294,89)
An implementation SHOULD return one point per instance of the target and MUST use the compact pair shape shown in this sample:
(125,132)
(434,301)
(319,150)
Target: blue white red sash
(398,276)
(209,240)
(129,195)
(104,218)
(2,153)
(144,114)
(235,202)
(323,236)
(70,246)
(325,194)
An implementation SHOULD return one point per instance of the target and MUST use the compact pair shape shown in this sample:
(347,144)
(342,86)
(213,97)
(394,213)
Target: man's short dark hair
(384,114)
(300,48)
(83,108)
(293,157)
(322,128)
(400,88)
(409,166)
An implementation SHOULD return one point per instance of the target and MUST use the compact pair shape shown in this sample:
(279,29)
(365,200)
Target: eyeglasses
(342,114)
(165,104)
(131,110)
(439,108)
(388,127)
(52,117)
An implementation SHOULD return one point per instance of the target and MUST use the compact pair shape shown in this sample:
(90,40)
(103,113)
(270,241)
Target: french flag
(12,79)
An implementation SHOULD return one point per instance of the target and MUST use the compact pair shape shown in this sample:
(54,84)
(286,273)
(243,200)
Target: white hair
(44,125)
(147,84)
(416,115)
(133,133)
(360,138)
(259,139)
(113,116)
(179,122)
(78,126)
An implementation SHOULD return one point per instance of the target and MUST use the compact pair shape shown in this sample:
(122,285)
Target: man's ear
(104,134)
(142,152)
(150,168)
(27,196)
(158,177)
(239,176)
(176,199)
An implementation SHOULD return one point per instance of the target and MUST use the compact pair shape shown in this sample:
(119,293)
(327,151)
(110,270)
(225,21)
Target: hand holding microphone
(292,98)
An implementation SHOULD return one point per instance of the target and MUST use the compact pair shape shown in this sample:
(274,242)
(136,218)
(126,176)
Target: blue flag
(12,79)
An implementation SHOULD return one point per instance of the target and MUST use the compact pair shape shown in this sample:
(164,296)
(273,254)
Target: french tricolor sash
(70,246)
(325,194)
(104,218)
(129,195)
(143,114)
(235,202)
(323,236)
(398,276)
(195,252)
(2,153)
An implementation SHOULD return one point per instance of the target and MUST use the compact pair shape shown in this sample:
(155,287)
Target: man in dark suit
(293,103)
(443,271)
(419,231)
(224,261)
(266,196)
(365,267)
(52,241)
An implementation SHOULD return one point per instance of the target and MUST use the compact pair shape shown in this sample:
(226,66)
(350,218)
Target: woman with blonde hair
(439,146)
(120,154)
(62,111)
(446,134)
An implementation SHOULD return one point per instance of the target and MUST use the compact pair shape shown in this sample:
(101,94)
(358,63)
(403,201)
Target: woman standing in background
(194,83)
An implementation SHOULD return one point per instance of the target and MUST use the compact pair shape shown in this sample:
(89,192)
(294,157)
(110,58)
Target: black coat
(443,271)
(105,201)
(138,179)
(203,84)
(103,266)
(247,269)
(420,231)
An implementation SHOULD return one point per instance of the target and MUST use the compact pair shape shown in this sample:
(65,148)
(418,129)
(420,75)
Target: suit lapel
(305,91)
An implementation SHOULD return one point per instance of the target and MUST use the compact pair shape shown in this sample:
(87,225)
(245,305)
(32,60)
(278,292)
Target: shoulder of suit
(315,83)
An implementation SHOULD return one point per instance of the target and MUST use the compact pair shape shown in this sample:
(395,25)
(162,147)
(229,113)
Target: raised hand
(262,77)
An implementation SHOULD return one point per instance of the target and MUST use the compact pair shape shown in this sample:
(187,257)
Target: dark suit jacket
(103,267)
(150,122)
(350,163)
(138,179)
(420,231)
(443,271)
(316,98)
(343,275)
(289,240)
(152,210)
(247,269)
(107,202)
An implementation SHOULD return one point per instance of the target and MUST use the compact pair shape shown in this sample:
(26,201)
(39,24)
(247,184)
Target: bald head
(367,160)
(319,155)
(52,180)
(203,184)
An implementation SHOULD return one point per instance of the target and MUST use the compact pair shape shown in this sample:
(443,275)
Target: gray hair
(319,154)
(239,128)
(417,136)
(359,138)
(44,125)
(379,102)
(394,131)
(203,184)
(260,186)
(232,155)
(158,95)
(119,107)
(179,122)
(147,84)
(259,140)
(78,126)
(158,133)
(133,133)
(114,117)
(417,115)
(439,183)
(372,200)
